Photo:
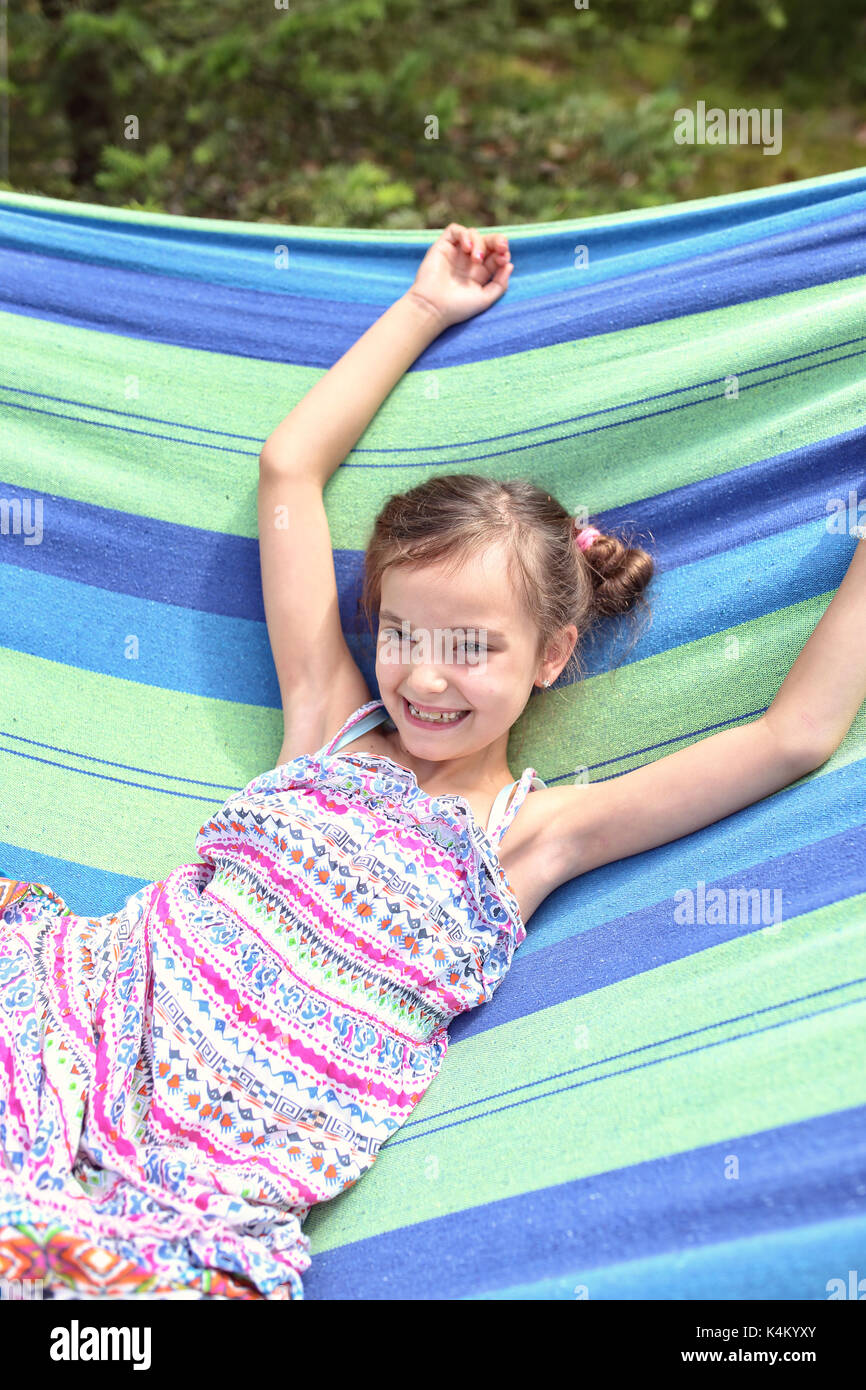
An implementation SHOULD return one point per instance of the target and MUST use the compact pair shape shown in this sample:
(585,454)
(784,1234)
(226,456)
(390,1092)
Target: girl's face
(458,644)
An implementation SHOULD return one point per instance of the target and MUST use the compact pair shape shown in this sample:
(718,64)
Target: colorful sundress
(180,1081)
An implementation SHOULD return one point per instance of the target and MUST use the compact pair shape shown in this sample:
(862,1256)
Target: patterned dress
(180,1081)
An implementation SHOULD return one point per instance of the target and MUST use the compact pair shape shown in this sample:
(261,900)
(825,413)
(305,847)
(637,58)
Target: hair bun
(619,574)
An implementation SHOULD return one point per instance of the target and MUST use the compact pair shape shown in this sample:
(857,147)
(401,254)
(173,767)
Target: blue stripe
(156,561)
(87,891)
(808,1263)
(255,323)
(87,627)
(174,564)
(813,1168)
(367,270)
(177,648)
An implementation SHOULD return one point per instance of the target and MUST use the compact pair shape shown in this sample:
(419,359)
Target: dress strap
(497,810)
(364,718)
(500,817)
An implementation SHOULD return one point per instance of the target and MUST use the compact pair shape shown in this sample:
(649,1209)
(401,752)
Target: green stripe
(606,468)
(141,833)
(808,1067)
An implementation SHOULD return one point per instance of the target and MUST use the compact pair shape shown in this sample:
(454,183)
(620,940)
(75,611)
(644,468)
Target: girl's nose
(426,677)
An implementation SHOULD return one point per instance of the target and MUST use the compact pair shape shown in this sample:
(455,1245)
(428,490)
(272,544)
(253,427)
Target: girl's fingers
(489,254)
(497,253)
(470,239)
(498,284)
(488,251)
(498,257)
(459,236)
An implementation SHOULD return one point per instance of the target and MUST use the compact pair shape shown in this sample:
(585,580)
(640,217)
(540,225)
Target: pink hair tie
(586,537)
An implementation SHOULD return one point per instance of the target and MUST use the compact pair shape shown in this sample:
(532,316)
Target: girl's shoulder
(530,851)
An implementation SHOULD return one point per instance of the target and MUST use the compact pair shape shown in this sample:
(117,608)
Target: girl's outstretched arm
(461,274)
(821,694)
(816,704)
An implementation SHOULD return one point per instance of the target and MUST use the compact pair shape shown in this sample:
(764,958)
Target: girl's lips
(433,723)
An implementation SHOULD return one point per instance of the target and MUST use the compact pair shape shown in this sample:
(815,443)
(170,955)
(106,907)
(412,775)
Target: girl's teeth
(435,718)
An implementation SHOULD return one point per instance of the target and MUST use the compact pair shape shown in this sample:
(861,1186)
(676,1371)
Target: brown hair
(451,517)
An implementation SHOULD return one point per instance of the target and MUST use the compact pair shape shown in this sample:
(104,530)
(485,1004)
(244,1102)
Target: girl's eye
(459,648)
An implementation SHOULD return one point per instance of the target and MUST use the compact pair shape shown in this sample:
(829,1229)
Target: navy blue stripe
(27,746)
(171,563)
(462,462)
(121,781)
(21,747)
(811,1170)
(253,323)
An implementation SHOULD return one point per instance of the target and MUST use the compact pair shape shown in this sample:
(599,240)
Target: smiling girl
(467,552)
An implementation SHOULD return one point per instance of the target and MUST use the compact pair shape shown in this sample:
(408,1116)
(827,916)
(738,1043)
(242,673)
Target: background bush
(319,113)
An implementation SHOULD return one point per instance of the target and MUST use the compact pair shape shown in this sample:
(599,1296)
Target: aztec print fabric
(647,1108)
(182,1080)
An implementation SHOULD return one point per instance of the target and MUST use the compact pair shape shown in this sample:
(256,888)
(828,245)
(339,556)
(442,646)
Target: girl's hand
(463,273)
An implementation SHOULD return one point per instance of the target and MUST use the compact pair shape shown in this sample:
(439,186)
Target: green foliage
(410,113)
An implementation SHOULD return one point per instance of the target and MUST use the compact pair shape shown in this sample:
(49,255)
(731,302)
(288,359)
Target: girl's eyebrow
(455,627)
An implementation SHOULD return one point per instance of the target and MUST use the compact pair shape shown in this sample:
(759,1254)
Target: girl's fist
(463,273)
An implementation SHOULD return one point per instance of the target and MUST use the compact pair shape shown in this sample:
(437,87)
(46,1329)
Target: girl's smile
(431,717)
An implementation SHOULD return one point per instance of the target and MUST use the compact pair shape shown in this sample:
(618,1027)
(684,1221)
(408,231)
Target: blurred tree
(406,113)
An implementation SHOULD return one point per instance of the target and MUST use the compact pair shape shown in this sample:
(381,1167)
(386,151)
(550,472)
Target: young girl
(183,1079)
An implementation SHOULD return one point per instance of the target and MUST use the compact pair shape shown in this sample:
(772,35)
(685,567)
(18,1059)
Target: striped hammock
(666,1099)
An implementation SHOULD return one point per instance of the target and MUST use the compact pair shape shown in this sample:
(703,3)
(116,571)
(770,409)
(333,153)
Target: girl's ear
(560,650)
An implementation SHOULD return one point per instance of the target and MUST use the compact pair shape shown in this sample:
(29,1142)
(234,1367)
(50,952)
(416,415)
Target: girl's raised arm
(816,704)
(461,274)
